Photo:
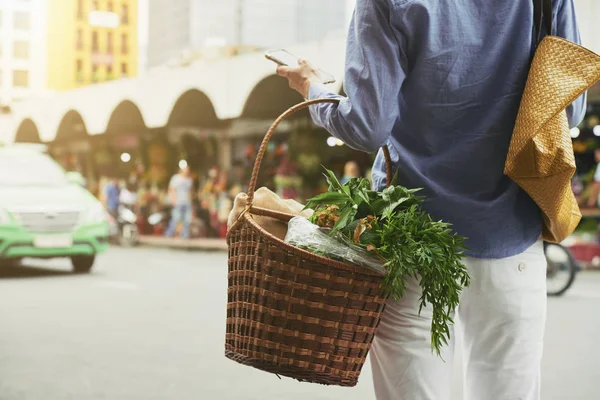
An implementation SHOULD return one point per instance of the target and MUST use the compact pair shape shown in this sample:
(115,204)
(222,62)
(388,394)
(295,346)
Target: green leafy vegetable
(393,226)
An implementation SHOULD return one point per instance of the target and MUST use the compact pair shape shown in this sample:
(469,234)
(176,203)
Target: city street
(149,324)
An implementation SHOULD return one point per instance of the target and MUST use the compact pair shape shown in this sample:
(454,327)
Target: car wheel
(82,264)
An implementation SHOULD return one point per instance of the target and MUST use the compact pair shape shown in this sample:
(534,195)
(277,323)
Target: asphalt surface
(149,324)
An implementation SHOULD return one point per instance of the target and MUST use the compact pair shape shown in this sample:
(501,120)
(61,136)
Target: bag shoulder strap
(542,14)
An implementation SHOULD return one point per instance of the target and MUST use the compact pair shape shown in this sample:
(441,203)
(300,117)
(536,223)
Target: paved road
(149,324)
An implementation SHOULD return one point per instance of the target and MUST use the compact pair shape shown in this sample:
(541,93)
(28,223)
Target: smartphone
(284,57)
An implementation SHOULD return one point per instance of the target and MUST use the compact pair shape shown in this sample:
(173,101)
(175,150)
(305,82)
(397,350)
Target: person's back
(440,82)
(450,104)
(460,102)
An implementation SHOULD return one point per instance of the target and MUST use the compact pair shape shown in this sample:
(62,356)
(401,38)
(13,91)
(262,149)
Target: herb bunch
(392,225)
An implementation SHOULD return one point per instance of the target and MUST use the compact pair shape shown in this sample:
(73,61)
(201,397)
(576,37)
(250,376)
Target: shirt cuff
(317,90)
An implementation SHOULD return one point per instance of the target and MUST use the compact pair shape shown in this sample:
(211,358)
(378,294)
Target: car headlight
(4,217)
(96,215)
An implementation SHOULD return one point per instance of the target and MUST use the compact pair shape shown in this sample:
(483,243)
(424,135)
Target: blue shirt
(111,192)
(182,186)
(440,82)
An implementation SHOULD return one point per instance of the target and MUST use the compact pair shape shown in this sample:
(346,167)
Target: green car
(46,212)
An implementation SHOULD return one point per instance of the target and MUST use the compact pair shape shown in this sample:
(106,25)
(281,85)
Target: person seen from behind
(440,83)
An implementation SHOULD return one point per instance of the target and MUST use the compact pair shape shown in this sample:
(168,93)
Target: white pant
(502,316)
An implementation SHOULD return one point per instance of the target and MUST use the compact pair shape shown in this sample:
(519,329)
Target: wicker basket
(294,313)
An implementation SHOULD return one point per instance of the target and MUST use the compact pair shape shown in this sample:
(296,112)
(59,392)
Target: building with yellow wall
(91,41)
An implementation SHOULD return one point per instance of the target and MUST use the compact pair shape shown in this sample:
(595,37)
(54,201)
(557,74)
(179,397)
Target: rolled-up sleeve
(566,27)
(375,71)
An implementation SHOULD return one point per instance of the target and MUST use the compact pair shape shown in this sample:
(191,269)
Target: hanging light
(182,164)
(331,141)
(338,142)
(597,130)
(125,157)
(575,133)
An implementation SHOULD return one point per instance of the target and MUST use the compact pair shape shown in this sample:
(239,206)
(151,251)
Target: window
(79,39)
(109,42)
(79,9)
(123,69)
(95,45)
(109,73)
(21,21)
(110,6)
(79,71)
(21,78)
(95,5)
(94,73)
(124,14)
(124,43)
(21,49)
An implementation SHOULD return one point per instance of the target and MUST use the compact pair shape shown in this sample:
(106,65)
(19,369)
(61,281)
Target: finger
(302,61)
(283,71)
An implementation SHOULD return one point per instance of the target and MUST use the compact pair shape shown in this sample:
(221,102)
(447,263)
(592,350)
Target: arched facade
(126,118)
(27,132)
(71,146)
(269,98)
(195,131)
(72,126)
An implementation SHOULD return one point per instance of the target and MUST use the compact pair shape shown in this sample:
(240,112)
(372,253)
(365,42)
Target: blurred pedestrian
(351,170)
(110,197)
(180,197)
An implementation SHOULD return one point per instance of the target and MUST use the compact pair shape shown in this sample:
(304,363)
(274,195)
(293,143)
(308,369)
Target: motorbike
(159,220)
(123,228)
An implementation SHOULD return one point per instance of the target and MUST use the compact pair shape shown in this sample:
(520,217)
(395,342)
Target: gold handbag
(540,158)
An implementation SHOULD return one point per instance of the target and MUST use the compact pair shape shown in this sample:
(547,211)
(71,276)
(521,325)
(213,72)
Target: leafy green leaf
(334,183)
(327,198)
(413,245)
(396,196)
(346,217)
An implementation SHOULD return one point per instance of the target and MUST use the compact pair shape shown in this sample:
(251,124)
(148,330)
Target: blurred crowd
(197,206)
(194,206)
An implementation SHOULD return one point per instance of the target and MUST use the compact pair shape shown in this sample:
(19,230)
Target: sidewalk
(181,244)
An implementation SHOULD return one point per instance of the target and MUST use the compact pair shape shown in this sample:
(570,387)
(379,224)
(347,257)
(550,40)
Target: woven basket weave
(294,313)
(540,158)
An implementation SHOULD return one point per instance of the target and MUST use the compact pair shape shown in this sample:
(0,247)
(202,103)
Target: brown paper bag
(264,198)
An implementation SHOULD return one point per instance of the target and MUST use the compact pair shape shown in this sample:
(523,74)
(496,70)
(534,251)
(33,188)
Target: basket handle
(271,131)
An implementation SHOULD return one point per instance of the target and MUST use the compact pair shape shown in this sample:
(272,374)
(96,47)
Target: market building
(210,113)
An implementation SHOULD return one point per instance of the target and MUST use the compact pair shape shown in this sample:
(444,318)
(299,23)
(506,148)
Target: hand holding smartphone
(285,58)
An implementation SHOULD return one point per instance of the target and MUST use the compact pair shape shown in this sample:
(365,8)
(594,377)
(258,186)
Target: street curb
(185,245)
(186,248)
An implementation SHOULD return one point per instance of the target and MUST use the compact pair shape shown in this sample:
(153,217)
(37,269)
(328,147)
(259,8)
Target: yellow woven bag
(540,158)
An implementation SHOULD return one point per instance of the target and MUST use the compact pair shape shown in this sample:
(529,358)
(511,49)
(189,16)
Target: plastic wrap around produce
(308,236)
